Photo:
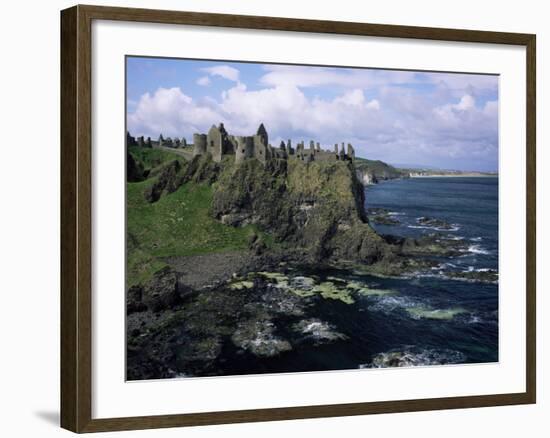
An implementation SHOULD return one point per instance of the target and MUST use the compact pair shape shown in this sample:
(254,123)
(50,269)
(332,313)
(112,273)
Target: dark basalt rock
(433,223)
(134,298)
(134,170)
(384,220)
(431,245)
(169,180)
(381,216)
(190,339)
(488,276)
(163,291)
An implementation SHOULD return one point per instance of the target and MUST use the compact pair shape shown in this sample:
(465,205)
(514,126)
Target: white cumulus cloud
(386,115)
(203,81)
(224,71)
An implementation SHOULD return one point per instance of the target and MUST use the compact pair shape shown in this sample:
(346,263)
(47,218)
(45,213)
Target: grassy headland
(178,224)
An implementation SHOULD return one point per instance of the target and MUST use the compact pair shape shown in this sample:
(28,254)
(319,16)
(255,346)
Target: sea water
(419,319)
(469,333)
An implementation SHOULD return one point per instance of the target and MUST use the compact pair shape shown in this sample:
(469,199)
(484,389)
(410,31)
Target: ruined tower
(130,141)
(351,152)
(289,149)
(263,134)
(219,143)
(342,153)
(199,144)
(244,148)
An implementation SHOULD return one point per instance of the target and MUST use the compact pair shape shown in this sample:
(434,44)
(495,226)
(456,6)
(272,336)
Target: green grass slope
(178,224)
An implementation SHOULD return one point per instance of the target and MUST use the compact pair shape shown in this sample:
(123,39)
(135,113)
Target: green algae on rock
(239,285)
(428,313)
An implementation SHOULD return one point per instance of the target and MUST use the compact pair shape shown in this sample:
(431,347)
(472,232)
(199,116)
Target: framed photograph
(270,218)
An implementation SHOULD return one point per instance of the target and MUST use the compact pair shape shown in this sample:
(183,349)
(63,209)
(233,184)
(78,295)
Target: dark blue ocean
(424,318)
(470,205)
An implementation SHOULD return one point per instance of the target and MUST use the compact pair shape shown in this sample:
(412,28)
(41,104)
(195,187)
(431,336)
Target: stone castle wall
(218,143)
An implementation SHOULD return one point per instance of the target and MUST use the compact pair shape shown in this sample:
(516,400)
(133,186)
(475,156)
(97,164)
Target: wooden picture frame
(76,217)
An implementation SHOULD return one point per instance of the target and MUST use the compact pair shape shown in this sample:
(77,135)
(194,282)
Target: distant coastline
(454,175)
(438,173)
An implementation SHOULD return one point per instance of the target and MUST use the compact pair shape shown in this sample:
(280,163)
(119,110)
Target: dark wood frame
(76,225)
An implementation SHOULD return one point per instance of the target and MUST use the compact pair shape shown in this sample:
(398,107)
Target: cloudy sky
(444,120)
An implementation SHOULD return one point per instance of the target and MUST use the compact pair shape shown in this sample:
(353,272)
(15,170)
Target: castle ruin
(218,143)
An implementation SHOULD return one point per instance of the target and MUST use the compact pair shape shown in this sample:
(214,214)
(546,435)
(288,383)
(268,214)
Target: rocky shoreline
(255,303)
(184,321)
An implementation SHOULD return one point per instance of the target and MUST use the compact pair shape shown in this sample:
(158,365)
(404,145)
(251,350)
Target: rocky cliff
(316,208)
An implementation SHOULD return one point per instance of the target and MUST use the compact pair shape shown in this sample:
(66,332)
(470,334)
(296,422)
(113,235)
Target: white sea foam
(478,249)
(473,269)
(454,238)
(454,227)
(415,309)
(410,357)
(474,319)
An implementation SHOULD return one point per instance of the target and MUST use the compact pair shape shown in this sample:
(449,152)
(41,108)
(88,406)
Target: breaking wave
(477,249)
(454,227)
(415,357)
(413,308)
